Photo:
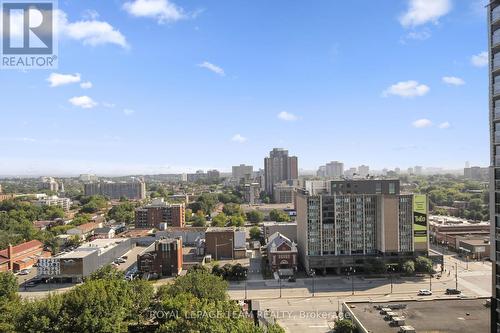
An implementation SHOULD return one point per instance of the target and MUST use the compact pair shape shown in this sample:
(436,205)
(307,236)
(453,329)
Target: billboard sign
(420,219)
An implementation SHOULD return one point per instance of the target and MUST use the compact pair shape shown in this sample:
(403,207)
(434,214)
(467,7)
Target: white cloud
(86,85)
(424,11)
(211,67)
(128,112)
(453,80)
(286,116)
(84,102)
(238,138)
(89,31)
(108,105)
(407,89)
(422,123)
(161,10)
(444,125)
(419,35)
(57,79)
(480,60)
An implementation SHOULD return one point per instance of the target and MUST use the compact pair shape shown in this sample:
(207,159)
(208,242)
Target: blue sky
(181,85)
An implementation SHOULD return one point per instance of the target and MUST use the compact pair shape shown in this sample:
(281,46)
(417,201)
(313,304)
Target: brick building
(219,242)
(163,257)
(281,252)
(25,255)
(159,213)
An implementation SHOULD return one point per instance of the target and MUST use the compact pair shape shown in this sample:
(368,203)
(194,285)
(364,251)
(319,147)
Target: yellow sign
(420,218)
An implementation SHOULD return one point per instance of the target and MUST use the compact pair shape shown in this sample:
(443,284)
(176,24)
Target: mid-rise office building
(334,169)
(476,173)
(213,174)
(284,192)
(54,200)
(135,190)
(494,113)
(49,183)
(194,177)
(364,170)
(88,178)
(160,215)
(278,167)
(242,171)
(365,186)
(251,193)
(357,221)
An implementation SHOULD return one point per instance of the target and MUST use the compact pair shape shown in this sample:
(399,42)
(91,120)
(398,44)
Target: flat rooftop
(443,316)
(101,245)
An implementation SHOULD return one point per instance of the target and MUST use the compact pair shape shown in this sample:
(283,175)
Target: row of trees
(196,302)
(445,190)
(419,265)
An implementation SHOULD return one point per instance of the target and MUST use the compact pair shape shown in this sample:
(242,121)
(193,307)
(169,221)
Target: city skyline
(194,90)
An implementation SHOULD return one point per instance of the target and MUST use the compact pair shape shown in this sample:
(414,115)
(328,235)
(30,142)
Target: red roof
(32,244)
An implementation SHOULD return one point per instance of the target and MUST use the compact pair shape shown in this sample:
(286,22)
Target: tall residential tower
(494,105)
(278,167)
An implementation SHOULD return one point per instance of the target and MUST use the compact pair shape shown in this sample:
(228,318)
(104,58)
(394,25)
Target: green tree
(199,220)
(255,233)
(237,220)
(8,286)
(409,267)
(200,284)
(232,209)
(124,212)
(219,220)
(423,265)
(279,216)
(344,326)
(255,216)
(107,272)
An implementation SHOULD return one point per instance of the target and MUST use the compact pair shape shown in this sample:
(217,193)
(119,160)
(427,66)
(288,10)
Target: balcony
(495,39)
(495,15)
(497,113)
(496,88)
(496,62)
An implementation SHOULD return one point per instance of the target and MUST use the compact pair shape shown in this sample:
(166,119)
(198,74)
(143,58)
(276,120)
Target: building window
(392,188)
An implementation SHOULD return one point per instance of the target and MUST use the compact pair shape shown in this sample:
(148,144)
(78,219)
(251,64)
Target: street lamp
(313,274)
(279,278)
(390,269)
(352,270)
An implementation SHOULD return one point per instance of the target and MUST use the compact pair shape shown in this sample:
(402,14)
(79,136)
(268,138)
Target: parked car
(292,279)
(453,291)
(424,292)
(34,282)
(24,272)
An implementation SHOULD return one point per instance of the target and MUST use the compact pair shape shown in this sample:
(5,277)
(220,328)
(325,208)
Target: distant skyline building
(88,177)
(242,171)
(278,167)
(334,169)
(134,190)
(364,170)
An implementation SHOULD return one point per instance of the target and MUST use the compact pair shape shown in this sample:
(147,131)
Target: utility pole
(456,276)
(279,277)
(430,281)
